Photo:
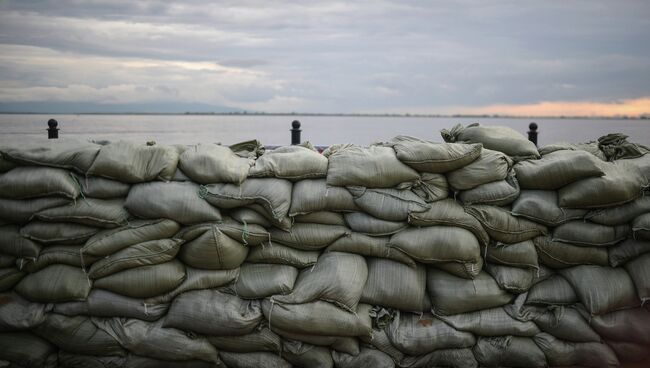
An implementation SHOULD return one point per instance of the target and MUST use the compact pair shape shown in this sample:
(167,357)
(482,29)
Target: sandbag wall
(481,251)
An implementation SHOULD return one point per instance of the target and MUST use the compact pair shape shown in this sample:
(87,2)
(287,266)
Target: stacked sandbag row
(408,253)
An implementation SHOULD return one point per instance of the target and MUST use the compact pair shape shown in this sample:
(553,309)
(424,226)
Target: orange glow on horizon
(631,107)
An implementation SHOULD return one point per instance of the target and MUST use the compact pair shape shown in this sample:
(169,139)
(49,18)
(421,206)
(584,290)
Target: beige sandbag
(501,138)
(63,152)
(290,162)
(135,163)
(504,227)
(490,166)
(108,242)
(395,285)
(211,163)
(434,157)
(271,193)
(311,195)
(106,213)
(448,212)
(557,169)
(102,188)
(30,182)
(207,247)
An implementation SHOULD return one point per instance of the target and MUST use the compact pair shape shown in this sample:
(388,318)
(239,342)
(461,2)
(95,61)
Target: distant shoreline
(493,116)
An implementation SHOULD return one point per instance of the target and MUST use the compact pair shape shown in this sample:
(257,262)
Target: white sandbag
(490,166)
(395,285)
(557,169)
(207,247)
(108,242)
(106,213)
(135,163)
(311,195)
(433,157)
(30,182)
(211,163)
(261,280)
(290,162)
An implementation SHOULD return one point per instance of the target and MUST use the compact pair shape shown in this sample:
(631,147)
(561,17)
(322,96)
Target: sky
(420,57)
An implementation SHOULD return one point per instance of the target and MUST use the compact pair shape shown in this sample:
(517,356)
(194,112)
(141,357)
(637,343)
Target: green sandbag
(78,335)
(207,247)
(58,233)
(311,195)
(271,193)
(108,242)
(433,157)
(211,163)
(557,169)
(63,152)
(504,227)
(501,138)
(20,211)
(102,188)
(490,166)
(24,349)
(55,283)
(542,206)
(396,285)
(280,254)
(13,243)
(450,213)
(290,162)
(31,182)
(106,213)
(145,281)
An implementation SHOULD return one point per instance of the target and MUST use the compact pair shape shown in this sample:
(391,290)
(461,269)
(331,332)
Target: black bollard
(295,132)
(52,131)
(532,133)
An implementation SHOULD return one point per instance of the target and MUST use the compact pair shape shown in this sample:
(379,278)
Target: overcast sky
(511,57)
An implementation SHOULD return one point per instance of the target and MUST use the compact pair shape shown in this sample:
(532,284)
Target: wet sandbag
(602,289)
(55,283)
(587,354)
(641,227)
(318,318)
(197,279)
(415,335)
(343,344)
(369,246)
(262,339)
(308,236)
(554,290)
(13,243)
(306,355)
(450,213)
(106,213)
(17,313)
(627,250)
(453,358)
(212,163)
(454,295)
(433,157)
(78,335)
(639,271)
(290,162)
(56,254)
(135,163)
(24,349)
(321,217)
(20,211)
(271,193)
(214,312)
(63,152)
(590,234)
(496,193)
(491,322)
(144,281)
(207,247)
(622,214)
(388,204)
(542,206)
(337,277)
(620,184)
(177,201)
(261,280)
(624,325)
(395,285)
(490,166)
(372,167)
(522,254)
(110,241)
(9,277)
(31,182)
(556,254)
(515,280)
(365,224)
(501,138)
(557,169)
(52,233)
(311,195)
(504,227)
(102,188)
(280,254)
(367,358)
(154,340)
(508,351)
(253,360)
(148,253)
(102,303)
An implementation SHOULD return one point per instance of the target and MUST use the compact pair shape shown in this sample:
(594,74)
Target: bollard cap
(532,126)
(52,123)
(295,124)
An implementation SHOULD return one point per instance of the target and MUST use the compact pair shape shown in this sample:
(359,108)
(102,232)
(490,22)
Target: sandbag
(108,242)
(280,254)
(178,201)
(508,351)
(556,254)
(148,253)
(253,360)
(522,254)
(57,233)
(13,243)
(17,313)
(213,312)
(542,206)
(337,277)
(135,163)
(454,295)
(311,195)
(106,213)
(343,344)
(305,355)
(144,281)
(20,211)
(369,246)
(25,349)
(372,167)
(501,138)
(491,322)
(290,162)
(430,187)
(451,213)
(102,303)
(395,285)
(590,234)
(620,215)
(639,271)
(318,318)
(367,358)
(247,234)
(625,325)
(566,324)
(620,184)
(271,193)
(511,279)
(496,193)
(9,277)
(211,163)
(504,227)
(641,227)
(629,351)
(249,217)
(415,335)
(321,217)
(602,289)
(56,254)
(30,182)
(78,335)
(262,339)
(308,236)
(627,250)
(197,279)
(586,354)
(552,291)
(363,223)
(388,204)
(284,223)
(453,358)
(55,283)
(207,247)
(433,157)
(70,360)
(260,280)
(102,188)
(7,260)
(490,166)
(63,152)
(557,169)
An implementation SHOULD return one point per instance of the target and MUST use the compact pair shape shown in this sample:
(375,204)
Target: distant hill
(49,107)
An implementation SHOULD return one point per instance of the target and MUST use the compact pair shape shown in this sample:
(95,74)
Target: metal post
(52,131)
(295,132)
(532,133)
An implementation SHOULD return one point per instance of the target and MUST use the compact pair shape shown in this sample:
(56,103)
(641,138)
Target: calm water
(320,130)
